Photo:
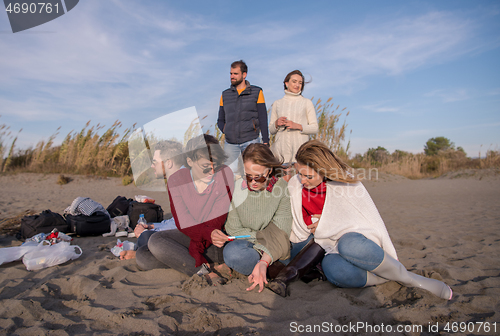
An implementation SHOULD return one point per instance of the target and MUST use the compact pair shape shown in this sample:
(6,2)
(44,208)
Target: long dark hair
(261,154)
(205,146)
(295,72)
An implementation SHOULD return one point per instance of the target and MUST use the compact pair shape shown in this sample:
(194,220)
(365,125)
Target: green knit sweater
(252,211)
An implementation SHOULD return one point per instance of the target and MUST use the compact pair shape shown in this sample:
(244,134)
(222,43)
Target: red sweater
(198,214)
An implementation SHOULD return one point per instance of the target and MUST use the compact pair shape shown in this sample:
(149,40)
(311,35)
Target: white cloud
(468,127)
(93,50)
(344,60)
(395,47)
(493,92)
(403,44)
(380,108)
(450,96)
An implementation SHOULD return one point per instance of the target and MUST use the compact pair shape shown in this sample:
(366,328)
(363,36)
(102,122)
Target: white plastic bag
(8,254)
(125,246)
(50,255)
(144,199)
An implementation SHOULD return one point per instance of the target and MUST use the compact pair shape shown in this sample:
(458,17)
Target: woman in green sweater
(260,210)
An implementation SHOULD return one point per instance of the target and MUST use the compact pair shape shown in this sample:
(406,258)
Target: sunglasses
(207,168)
(258,179)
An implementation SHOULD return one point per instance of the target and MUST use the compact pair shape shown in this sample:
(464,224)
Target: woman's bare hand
(314,225)
(280,122)
(140,228)
(218,238)
(293,125)
(258,276)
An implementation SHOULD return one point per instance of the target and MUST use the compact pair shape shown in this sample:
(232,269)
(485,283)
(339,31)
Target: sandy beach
(446,228)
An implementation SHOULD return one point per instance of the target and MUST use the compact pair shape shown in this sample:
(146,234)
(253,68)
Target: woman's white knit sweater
(299,110)
(348,208)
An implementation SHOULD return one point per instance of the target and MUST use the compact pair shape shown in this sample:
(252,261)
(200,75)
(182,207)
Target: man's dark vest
(242,118)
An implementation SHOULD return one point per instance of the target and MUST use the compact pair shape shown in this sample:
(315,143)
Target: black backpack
(42,223)
(119,207)
(93,225)
(153,213)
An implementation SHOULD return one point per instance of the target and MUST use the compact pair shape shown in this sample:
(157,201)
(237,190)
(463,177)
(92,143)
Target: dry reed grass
(331,132)
(4,134)
(87,152)
(5,163)
(84,152)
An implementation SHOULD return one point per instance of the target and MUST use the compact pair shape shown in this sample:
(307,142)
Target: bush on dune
(439,157)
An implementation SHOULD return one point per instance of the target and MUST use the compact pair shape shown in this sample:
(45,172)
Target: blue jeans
(240,256)
(144,238)
(357,255)
(233,151)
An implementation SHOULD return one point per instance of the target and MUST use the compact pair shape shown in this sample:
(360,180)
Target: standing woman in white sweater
(336,222)
(293,118)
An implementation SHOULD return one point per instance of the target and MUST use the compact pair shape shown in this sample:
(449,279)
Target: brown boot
(314,273)
(307,258)
(274,269)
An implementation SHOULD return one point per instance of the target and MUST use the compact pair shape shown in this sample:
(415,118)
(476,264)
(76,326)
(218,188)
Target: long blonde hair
(319,157)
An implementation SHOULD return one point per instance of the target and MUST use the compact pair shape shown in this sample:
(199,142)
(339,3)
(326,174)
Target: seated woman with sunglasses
(199,200)
(260,210)
(330,205)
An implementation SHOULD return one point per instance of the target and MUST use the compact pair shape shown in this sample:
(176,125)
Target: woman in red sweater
(199,201)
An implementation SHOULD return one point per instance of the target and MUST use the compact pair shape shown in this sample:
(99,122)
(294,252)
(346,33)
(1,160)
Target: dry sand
(446,228)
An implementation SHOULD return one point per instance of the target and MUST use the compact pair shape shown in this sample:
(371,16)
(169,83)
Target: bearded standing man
(242,115)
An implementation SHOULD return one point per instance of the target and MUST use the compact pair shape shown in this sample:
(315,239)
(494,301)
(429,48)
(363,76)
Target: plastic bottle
(142,220)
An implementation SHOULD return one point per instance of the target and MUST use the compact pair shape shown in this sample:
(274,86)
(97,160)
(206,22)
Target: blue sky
(406,70)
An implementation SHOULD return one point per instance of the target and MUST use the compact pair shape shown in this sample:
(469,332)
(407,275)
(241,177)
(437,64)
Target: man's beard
(160,176)
(236,83)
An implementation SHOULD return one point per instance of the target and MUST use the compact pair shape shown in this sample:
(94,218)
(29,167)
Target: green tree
(379,154)
(434,145)
(399,154)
